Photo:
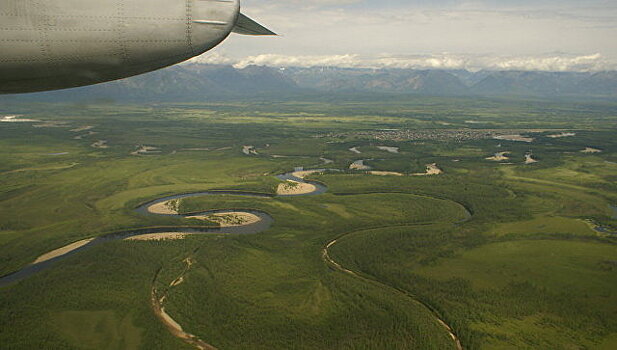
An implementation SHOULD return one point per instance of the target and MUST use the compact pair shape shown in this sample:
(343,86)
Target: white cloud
(213,58)
(516,32)
(593,62)
(554,62)
(300,61)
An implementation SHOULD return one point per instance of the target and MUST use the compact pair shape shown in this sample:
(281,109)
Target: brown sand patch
(295,188)
(514,137)
(385,173)
(563,134)
(165,208)
(61,251)
(231,219)
(89,133)
(51,124)
(591,150)
(101,144)
(359,165)
(304,173)
(389,149)
(431,169)
(249,150)
(16,119)
(529,159)
(173,326)
(163,236)
(145,150)
(82,128)
(498,157)
(170,321)
(177,282)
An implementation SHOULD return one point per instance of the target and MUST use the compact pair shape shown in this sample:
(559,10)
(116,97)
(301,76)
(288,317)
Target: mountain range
(200,82)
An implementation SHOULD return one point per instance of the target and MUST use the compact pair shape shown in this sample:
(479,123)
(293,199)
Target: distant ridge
(200,82)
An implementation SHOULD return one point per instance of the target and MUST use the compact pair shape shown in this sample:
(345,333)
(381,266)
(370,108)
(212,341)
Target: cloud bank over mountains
(549,63)
(547,35)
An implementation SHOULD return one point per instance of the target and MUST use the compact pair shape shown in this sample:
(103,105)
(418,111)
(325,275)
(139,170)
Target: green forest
(509,242)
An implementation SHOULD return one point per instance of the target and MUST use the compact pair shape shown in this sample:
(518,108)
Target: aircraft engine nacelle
(55,44)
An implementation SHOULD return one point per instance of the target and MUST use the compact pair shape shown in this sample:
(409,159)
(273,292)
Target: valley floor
(485,250)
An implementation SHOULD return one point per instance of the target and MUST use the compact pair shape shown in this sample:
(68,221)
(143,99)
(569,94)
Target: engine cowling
(55,44)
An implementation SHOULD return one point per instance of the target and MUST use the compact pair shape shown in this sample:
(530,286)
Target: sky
(547,35)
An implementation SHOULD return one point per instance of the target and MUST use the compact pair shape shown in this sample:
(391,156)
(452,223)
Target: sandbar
(529,159)
(516,138)
(389,149)
(61,251)
(249,150)
(359,165)
(304,173)
(16,119)
(295,188)
(231,219)
(563,134)
(591,150)
(164,208)
(385,173)
(158,236)
(145,150)
(431,169)
(100,144)
(82,128)
(498,157)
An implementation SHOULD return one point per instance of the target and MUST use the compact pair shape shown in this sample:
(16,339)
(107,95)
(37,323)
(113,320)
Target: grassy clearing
(98,329)
(544,225)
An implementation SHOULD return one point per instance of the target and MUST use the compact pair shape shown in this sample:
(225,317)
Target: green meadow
(508,255)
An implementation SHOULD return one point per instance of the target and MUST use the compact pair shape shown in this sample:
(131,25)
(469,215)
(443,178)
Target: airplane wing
(247,26)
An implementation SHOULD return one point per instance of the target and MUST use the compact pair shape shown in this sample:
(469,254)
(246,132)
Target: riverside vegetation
(509,255)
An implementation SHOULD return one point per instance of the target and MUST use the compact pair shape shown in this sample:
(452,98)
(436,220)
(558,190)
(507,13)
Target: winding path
(158,298)
(372,280)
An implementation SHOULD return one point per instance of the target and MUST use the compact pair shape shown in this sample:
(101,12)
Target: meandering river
(264,223)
